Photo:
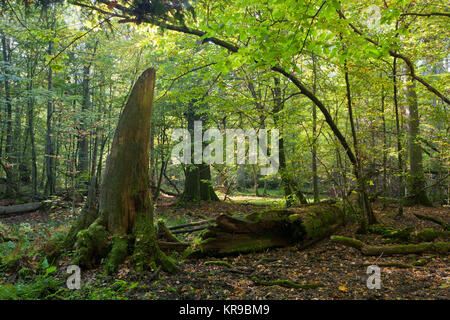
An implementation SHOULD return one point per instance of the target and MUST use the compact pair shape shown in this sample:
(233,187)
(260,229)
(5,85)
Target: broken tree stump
(269,229)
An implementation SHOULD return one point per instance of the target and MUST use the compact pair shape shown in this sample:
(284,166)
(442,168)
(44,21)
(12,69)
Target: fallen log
(443,224)
(190,230)
(425,247)
(181,226)
(20,208)
(274,228)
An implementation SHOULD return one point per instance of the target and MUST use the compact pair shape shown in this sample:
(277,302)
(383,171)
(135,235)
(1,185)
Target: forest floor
(340,271)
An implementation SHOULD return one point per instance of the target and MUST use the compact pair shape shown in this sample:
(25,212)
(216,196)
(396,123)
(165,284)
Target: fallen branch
(443,224)
(20,208)
(219,263)
(287,284)
(190,230)
(426,247)
(349,242)
(172,246)
(389,264)
(198,223)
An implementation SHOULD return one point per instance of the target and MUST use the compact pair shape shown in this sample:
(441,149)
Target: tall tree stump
(124,219)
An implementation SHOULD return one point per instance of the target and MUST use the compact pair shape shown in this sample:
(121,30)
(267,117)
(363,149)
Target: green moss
(428,235)
(24,274)
(319,222)
(146,251)
(442,247)
(118,253)
(92,245)
(351,242)
(294,217)
(400,235)
(380,229)
(250,246)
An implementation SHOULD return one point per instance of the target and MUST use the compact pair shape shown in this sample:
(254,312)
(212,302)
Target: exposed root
(287,284)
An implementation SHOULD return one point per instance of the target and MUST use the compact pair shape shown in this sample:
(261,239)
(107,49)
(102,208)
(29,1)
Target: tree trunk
(49,147)
(8,147)
(83,146)
(125,206)
(197,185)
(314,142)
(401,186)
(286,182)
(364,199)
(416,178)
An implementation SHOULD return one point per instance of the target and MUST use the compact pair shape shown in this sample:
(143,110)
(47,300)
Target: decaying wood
(172,246)
(20,208)
(167,241)
(425,247)
(189,230)
(273,228)
(198,223)
(443,224)
(164,233)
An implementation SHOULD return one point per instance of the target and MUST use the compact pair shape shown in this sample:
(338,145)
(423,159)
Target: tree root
(389,264)
(286,284)
(219,263)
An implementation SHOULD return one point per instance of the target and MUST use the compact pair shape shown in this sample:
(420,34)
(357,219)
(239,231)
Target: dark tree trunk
(287,183)
(314,142)
(49,147)
(197,185)
(8,143)
(83,143)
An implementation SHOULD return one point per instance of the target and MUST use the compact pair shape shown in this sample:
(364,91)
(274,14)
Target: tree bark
(416,177)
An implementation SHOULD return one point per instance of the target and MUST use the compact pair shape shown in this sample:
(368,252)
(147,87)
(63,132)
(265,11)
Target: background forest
(360,97)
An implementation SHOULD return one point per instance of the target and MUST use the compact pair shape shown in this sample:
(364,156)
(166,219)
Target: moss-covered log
(430,247)
(349,242)
(443,224)
(274,228)
(427,247)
